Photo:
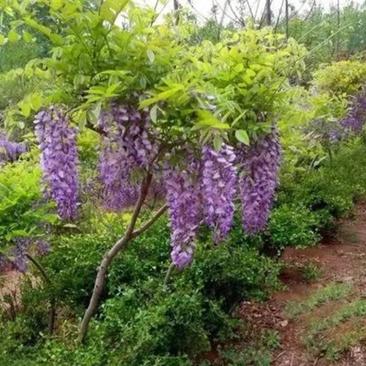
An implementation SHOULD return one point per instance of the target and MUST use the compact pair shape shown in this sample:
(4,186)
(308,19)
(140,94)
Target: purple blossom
(4,263)
(356,117)
(327,132)
(42,247)
(183,199)
(259,166)
(10,151)
(219,179)
(57,141)
(126,148)
(19,254)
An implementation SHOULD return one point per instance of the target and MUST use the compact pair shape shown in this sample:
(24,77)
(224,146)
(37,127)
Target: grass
(311,271)
(257,353)
(323,337)
(335,348)
(333,291)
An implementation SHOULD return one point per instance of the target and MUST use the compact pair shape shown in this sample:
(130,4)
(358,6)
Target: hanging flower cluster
(183,199)
(356,117)
(219,181)
(126,147)
(330,132)
(17,258)
(201,190)
(10,151)
(204,192)
(57,141)
(259,165)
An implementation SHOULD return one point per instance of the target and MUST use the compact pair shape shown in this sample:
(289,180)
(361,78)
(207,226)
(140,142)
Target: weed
(310,271)
(333,291)
(320,340)
(257,353)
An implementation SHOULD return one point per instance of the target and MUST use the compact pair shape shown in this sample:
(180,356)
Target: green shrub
(293,225)
(144,322)
(14,55)
(72,266)
(22,211)
(339,78)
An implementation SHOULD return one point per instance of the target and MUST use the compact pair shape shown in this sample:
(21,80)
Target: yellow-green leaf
(13,36)
(242,136)
(2,40)
(27,37)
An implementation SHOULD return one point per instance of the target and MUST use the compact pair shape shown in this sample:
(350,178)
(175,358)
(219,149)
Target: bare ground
(342,260)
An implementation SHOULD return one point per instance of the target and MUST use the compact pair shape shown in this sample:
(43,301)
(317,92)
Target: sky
(203,7)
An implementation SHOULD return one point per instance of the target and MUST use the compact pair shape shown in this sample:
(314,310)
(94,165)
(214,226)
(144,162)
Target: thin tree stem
(168,273)
(101,278)
(52,311)
(151,222)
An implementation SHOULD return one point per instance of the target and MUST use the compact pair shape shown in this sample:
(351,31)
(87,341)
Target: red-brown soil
(342,259)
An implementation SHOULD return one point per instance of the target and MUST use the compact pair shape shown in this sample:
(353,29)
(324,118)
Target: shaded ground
(321,315)
(9,292)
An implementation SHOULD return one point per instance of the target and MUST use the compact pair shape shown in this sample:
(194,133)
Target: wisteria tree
(191,126)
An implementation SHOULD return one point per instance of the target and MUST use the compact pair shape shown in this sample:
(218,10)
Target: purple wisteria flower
(4,263)
(219,181)
(183,199)
(326,131)
(259,165)
(9,150)
(57,141)
(126,147)
(42,247)
(18,256)
(356,117)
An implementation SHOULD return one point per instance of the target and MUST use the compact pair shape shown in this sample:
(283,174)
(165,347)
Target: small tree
(192,124)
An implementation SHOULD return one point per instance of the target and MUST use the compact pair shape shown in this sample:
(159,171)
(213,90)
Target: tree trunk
(268,12)
(52,311)
(121,244)
(287,19)
(176,11)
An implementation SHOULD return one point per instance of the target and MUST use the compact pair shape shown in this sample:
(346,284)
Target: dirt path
(321,315)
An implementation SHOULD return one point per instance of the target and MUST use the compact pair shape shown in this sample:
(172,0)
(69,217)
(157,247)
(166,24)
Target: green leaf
(150,55)
(55,38)
(56,4)
(154,113)
(25,108)
(13,36)
(2,40)
(207,120)
(36,101)
(110,9)
(167,94)
(27,37)
(242,136)
(217,142)
(94,113)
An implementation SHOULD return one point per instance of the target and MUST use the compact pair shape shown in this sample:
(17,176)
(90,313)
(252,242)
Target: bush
(22,212)
(144,322)
(341,78)
(293,225)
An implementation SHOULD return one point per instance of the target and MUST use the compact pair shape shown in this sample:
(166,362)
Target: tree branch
(52,312)
(149,223)
(100,281)
(168,273)
(96,129)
